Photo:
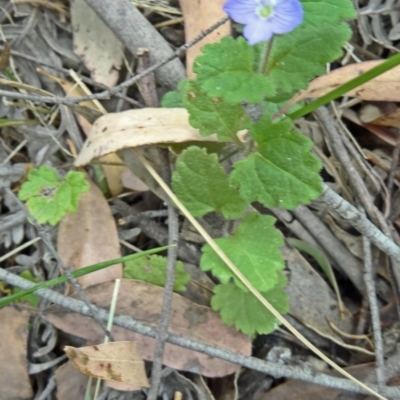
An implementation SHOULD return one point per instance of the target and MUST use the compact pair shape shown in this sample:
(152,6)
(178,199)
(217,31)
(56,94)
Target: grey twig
(127,322)
(328,124)
(369,279)
(134,31)
(47,241)
(162,334)
(107,93)
(393,167)
(348,264)
(359,222)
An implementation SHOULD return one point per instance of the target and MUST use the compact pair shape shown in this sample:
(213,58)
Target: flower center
(265,11)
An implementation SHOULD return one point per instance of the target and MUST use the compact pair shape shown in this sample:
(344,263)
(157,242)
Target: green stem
(265,55)
(346,87)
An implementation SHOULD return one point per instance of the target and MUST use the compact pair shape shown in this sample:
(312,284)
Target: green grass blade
(346,87)
(77,273)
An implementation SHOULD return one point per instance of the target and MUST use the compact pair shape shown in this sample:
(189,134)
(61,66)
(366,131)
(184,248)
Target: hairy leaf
(153,269)
(253,248)
(282,172)
(202,185)
(226,69)
(242,309)
(214,115)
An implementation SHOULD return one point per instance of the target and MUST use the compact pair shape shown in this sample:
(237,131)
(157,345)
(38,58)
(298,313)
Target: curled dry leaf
(90,236)
(116,361)
(382,113)
(198,16)
(132,128)
(385,87)
(143,302)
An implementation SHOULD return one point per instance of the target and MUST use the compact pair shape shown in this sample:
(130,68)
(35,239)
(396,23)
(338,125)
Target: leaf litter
(43,37)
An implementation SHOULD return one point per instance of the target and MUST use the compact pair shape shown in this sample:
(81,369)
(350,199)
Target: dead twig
(369,279)
(275,370)
(105,95)
(173,237)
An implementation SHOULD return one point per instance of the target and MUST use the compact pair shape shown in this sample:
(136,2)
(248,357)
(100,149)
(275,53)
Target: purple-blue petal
(241,11)
(258,31)
(286,17)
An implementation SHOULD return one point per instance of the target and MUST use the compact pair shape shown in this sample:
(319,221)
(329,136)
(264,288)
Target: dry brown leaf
(95,44)
(311,300)
(385,87)
(198,16)
(387,134)
(132,128)
(143,302)
(90,236)
(380,113)
(116,361)
(14,377)
(71,384)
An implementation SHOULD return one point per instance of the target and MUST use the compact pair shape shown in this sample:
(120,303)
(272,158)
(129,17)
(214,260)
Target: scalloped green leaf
(49,198)
(153,269)
(282,172)
(214,115)
(39,180)
(226,70)
(301,55)
(202,185)
(253,248)
(174,99)
(245,312)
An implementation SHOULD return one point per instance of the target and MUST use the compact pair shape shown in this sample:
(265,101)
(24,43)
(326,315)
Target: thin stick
(127,322)
(173,236)
(369,279)
(112,91)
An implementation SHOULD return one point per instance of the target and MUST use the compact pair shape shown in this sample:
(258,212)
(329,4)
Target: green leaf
(214,115)
(174,99)
(153,269)
(282,172)
(301,55)
(245,312)
(49,198)
(227,69)
(39,181)
(253,248)
(202,185)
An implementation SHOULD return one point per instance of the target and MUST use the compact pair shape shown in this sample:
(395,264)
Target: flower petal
(258,31)
(286,17)
(241,11)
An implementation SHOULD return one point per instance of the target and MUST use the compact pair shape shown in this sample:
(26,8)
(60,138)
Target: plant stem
(265,55)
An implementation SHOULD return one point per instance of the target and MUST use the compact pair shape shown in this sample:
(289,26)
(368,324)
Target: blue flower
(264,18)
